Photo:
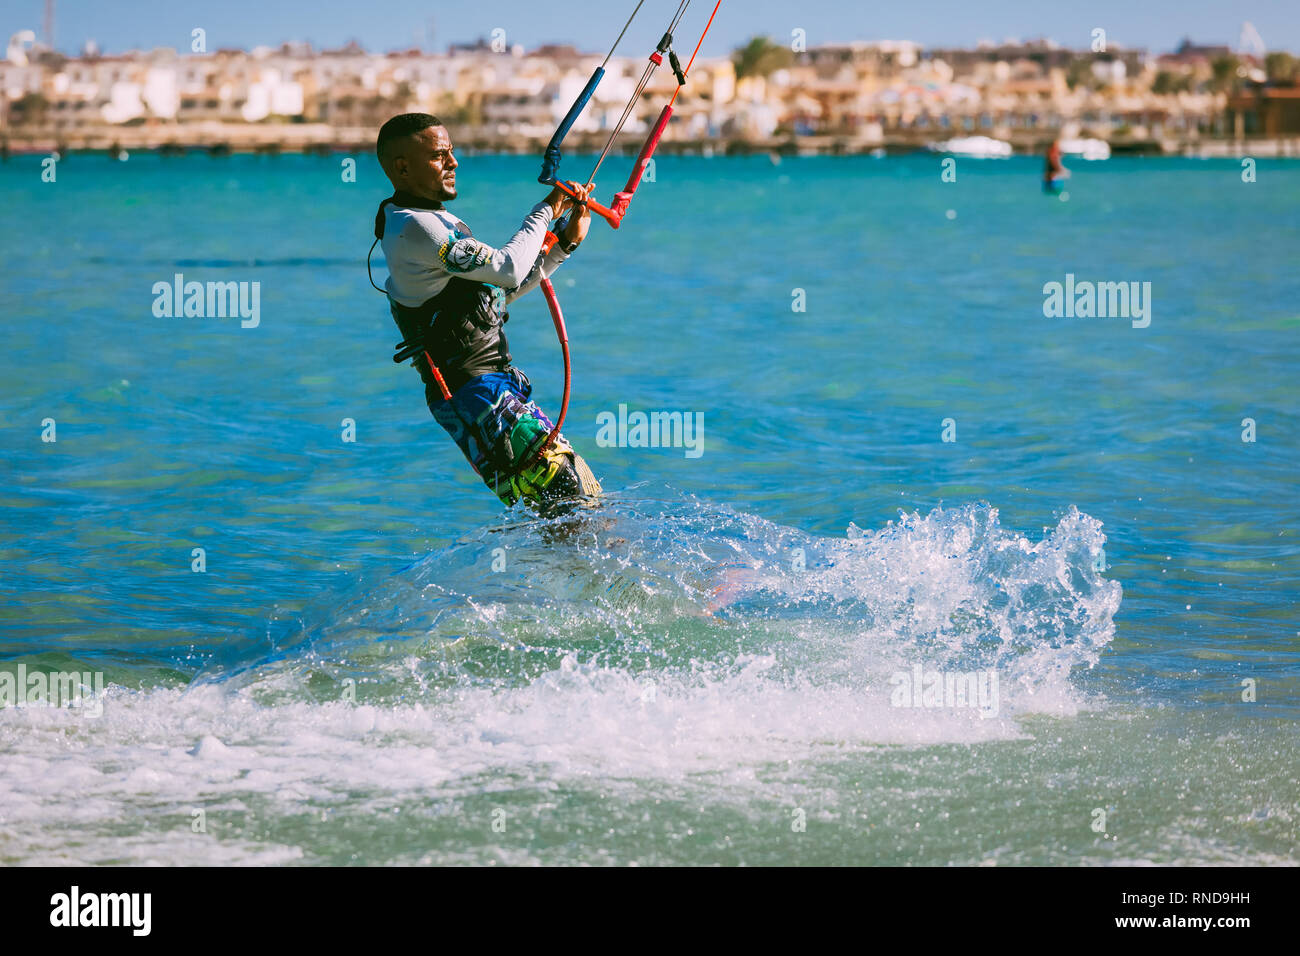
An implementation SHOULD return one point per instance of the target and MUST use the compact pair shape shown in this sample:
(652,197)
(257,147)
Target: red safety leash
(438,375)
(557,316)
(553,303)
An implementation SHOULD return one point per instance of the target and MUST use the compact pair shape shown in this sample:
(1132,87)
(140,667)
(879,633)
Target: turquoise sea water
(379,665)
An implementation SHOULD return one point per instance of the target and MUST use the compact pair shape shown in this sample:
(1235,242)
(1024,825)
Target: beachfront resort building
(839,97)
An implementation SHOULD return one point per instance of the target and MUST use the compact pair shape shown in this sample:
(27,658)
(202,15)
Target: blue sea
(946,580)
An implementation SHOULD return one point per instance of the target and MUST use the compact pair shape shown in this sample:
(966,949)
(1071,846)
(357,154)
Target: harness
(459,330)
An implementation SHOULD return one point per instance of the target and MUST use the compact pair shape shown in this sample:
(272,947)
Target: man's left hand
(579,218)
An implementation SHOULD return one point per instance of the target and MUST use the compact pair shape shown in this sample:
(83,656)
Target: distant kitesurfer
(1054,172)
(448,293)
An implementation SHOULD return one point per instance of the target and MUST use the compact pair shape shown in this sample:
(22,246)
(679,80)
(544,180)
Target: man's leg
(499,431)
(557,474)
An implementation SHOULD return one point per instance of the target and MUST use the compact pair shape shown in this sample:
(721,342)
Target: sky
(379,25)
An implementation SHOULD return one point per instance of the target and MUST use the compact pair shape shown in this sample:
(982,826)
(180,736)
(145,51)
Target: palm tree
(1227,78)
(31,110)
(760,57)
(1282,68)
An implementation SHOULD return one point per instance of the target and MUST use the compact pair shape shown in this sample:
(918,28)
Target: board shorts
(497,427)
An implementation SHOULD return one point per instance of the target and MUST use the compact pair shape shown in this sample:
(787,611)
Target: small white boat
(982,147)
(1086,148)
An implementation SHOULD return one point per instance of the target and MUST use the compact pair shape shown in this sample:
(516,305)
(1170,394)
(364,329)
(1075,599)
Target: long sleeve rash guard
(424,248)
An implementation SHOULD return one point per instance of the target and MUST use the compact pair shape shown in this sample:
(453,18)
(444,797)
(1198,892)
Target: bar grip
(623,199)
(551,159)
(609,215)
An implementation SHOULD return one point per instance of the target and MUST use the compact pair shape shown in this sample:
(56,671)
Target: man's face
(426,167)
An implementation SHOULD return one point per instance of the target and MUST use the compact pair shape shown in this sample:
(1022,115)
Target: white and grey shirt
(425,248)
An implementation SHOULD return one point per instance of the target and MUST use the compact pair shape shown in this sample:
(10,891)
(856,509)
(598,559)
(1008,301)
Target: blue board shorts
(498,428)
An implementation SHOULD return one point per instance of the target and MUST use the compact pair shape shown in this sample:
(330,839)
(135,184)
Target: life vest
(461,327)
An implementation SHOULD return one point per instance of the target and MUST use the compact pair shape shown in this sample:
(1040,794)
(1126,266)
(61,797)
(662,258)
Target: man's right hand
(560,202)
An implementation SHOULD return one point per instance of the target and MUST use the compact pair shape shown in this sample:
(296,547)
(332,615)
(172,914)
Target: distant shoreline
(318,140)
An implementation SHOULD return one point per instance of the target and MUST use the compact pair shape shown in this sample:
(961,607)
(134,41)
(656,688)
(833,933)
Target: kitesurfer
(448,293)
(1054,171)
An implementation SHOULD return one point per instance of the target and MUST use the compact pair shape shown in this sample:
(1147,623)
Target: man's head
(416,154)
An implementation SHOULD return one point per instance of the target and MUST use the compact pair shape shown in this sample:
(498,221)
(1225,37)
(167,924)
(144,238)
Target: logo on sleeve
(463,254)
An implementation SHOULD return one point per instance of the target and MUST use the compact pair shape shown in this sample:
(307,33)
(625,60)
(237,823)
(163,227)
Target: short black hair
(400,127)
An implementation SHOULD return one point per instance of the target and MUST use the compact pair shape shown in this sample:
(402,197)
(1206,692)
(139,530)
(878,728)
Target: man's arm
(543,268)
(463,255)
(570,238)
(458,253)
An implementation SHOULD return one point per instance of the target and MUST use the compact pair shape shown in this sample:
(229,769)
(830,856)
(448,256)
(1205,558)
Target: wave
(633,664)
(655,591)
